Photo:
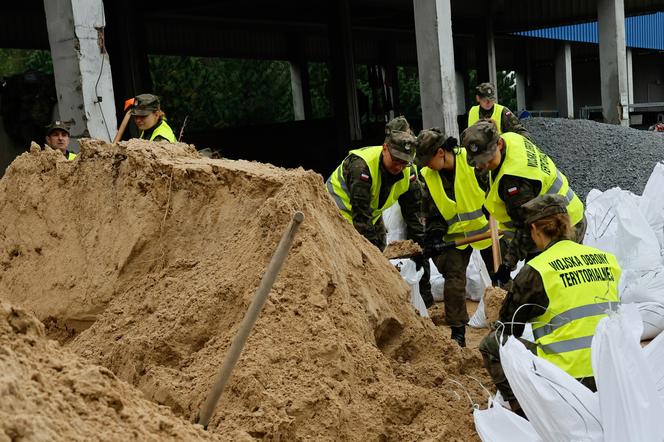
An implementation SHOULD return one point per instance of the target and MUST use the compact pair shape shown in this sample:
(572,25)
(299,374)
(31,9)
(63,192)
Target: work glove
(433,247)
(502,275)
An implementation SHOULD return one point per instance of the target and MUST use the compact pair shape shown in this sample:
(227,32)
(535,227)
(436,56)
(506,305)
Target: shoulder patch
(513,191)
(413,177)
(365,177)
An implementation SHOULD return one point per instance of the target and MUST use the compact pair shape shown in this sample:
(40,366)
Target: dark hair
(557,226)
(451,144)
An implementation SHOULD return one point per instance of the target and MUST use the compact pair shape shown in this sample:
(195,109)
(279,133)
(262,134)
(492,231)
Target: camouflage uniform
(508,121)
(526,299)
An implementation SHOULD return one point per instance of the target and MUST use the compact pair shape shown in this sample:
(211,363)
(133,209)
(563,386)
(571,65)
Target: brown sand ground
(143,258)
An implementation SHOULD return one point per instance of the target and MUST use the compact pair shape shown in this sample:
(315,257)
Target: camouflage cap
(543,206)
(57,124)
(428,142)
(401,145)
(145,104)
(486,90)
(480,142)
(399,123)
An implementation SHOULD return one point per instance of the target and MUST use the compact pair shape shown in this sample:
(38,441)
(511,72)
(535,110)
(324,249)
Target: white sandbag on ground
(616,224)
(652,316)
(478,320)
(408,270)
(652,203)
(394,223)
(558,406)
(630,405)
(654,353)
(496,424)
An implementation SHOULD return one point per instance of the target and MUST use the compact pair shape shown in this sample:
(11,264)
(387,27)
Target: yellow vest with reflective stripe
(524,159)
(336,184)
(496,116)
(464,216)
(581,283)
(162,130)
(71,155)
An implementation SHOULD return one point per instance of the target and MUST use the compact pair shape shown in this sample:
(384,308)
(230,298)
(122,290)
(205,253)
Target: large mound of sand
(49,394)
(153,254)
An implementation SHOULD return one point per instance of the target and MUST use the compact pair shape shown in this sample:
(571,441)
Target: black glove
(502,275)
(433,247)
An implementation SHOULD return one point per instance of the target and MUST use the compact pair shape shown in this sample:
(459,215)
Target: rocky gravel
(596,155)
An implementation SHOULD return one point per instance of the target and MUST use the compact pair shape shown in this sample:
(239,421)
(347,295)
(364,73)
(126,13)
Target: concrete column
(613,61)
(296,92)
(81,66)
(564,91)
(435,63)
(520,91)
(630,78)
(460,92)
(491,56)
(342,68)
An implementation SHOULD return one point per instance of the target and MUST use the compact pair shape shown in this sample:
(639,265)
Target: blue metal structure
(641,31)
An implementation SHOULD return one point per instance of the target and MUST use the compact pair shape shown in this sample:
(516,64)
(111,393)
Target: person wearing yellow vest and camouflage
(452,208)
(488,109)
(57,137)
(150,119)
(371,179)
(518,172)
(563,292)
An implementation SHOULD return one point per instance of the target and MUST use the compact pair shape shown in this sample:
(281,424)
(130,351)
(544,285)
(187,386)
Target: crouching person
(563,292)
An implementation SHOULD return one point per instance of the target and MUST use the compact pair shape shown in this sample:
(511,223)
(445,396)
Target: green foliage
(17,61)
(319,88)
(409,93)
(506,88)
(218,93)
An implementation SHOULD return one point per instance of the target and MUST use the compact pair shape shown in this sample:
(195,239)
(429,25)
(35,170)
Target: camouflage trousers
(452,264)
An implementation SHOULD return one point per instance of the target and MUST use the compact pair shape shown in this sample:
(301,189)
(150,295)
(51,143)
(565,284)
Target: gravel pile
(596,155)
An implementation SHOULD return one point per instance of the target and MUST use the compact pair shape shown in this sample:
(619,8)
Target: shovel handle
(123,127)
(249,319)
(495,243)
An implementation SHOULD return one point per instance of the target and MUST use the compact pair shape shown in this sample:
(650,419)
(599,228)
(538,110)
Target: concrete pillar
(491,55)
(564,91)
(435,63)
(81,66)
(460,92)
(613,61)
(520,91)
(630,78)
(342,69)
(296,92)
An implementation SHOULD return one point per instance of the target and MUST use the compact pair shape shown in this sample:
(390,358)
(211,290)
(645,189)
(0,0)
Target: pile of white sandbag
(628,404)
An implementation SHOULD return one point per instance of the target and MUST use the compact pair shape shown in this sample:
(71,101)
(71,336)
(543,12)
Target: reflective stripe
(573,314)
(477,232)
(337,199)
(558,184)
(468,216)
(568,345)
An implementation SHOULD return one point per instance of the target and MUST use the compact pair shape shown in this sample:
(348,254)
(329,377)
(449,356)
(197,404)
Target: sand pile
(159,251)
(50,394)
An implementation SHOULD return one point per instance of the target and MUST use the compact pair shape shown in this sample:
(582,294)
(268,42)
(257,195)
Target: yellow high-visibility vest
(581,283)
(162,130)
(464,217)
(496,116)
(336,184)
(524,159)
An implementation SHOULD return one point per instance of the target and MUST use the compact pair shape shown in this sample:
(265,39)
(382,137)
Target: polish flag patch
(513,191)
(364,177)
(412,178)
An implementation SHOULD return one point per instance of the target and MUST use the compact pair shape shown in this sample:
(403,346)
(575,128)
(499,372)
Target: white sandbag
(394,223)
(652,203)
(478,320)
(437,282)
(652,316)
(496,424)
(477,277)
(615,224)
(558,406)
(631,408)
(408,270)
(638,286)
(654,353)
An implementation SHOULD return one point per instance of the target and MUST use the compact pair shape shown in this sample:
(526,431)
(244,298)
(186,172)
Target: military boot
(459,335)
